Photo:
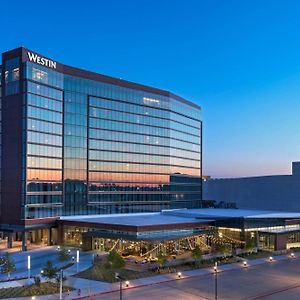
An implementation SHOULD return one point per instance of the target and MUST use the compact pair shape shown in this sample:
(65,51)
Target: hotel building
(74,142)
(101,163)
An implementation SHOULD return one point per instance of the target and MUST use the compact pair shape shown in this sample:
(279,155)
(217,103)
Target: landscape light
(245,263)
(179,274)
(270,258)
(127,283)
(292,255)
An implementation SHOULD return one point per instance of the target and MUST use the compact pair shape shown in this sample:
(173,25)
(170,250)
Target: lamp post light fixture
(270,258)
(127,283)
(179,275)
(28,265)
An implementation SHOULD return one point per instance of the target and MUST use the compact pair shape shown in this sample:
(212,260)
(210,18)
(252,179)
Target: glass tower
(92,144)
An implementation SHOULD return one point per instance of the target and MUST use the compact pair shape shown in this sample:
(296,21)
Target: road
(278,280)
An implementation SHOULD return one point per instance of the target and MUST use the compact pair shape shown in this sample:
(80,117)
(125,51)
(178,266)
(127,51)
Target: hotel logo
(41,60)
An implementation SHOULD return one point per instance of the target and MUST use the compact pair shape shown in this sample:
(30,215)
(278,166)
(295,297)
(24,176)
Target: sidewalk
(90,288)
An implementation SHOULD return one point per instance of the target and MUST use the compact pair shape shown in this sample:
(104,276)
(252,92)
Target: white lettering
(41,60)
(32,57)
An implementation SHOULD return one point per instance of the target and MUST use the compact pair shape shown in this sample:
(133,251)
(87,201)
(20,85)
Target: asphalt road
(273,281)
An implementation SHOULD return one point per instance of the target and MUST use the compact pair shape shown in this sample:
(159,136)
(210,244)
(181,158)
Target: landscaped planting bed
(45,288)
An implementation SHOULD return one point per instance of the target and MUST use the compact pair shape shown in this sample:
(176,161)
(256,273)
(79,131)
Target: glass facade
(44,160)
(94,147)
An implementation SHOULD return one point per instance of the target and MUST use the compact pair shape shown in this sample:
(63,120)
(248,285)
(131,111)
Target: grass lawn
(45,288)
(99,272)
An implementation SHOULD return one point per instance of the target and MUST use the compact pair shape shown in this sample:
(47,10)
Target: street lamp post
(28,265)
(120,279)
(216,280)
(61,284)
(77,260)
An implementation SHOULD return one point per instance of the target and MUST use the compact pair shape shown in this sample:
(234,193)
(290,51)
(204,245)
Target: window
(6,76)
(39,75)
(16,74)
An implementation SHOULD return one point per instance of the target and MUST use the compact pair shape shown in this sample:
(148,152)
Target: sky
(239,60)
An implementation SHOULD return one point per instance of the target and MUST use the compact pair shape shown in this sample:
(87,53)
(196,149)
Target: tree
(161,259)
(63,254)
(37,281)
(49,271)
(116,260)
(225,249)
(197,255)
(250,245)
(7,265)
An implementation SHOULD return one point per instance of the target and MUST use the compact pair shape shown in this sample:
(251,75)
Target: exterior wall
(280,193)
(77,142)
(12,147)
(280,242)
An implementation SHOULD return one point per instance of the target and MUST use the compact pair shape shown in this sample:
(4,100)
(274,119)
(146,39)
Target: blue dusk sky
(240,60)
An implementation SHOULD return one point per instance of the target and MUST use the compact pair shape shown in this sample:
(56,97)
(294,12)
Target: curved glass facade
(94,147)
